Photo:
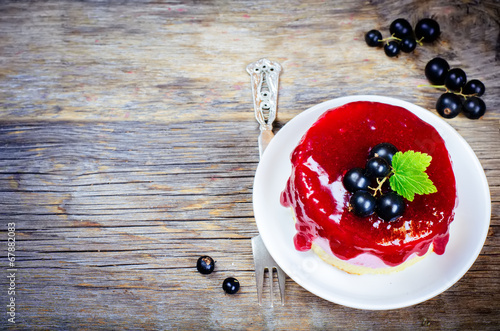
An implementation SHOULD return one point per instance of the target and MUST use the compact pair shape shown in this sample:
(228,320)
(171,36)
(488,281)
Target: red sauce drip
(340,140)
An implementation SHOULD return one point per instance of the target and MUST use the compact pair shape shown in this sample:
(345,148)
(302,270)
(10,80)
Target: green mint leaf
(409,177)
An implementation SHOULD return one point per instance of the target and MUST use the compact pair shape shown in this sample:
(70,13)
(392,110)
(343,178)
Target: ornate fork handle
(265,78)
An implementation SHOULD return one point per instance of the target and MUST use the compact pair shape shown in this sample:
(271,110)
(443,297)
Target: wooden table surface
(128,148)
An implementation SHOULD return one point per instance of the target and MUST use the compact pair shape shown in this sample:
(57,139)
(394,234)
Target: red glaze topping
(340,140)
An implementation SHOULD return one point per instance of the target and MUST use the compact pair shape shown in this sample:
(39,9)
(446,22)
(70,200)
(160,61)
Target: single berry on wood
(474,108)
(455,79)
(408,44)
(436,70)
(392,48)
(373,38)
(401,28)
(449,105)
(205,265)
(474,87)
(427,30)
(231,285)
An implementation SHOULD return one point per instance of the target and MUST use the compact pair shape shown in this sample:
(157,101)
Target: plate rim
(424,115)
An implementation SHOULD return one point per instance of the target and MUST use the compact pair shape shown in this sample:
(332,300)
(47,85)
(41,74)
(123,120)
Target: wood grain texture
(128,148)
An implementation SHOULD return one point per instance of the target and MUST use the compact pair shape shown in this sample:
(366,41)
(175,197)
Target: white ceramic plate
(418,283)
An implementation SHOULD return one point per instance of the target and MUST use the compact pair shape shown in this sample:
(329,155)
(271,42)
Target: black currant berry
(390,206)
(427,30)
(475,87)
(401,28)
(455,79)
(408,44)
(392,48)
(355,180)
(373,38)
(383,150)
(449,105)
(205,265)
(474,108)
(362,204)
(377,167)
(231,285)
(436,70)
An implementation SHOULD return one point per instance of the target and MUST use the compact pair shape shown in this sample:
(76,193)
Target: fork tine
(259,277)
(259,270)
(271,280)
(281,282)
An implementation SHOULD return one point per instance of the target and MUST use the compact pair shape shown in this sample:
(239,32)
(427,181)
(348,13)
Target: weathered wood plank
(135,229)
(128,149)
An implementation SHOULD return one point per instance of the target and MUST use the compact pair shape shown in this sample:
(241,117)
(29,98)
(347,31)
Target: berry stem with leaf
(407,176)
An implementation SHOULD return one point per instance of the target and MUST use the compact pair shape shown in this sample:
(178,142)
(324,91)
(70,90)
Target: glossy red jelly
(340,140)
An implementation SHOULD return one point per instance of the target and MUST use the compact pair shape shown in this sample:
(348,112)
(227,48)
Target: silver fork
(265,78)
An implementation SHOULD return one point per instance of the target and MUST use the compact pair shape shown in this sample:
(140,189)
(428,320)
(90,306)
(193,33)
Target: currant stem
(465,95)
(389,39)
(435,86)
(380,184)
(448,90)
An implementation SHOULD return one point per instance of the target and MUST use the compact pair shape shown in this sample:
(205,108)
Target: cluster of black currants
(403,38)
(461,95)
(389,205)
